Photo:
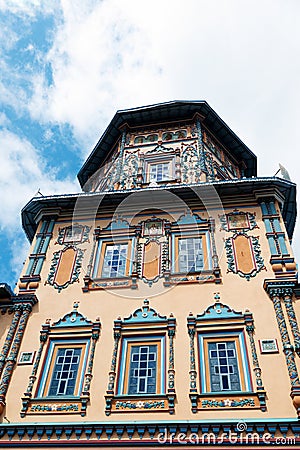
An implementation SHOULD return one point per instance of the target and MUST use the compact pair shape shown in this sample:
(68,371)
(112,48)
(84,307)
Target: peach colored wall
(235,291)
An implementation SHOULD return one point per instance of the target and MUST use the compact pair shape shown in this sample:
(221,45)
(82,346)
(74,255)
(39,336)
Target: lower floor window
(65,371)
(142,376)
(224,371)
(142,366)
(224,365)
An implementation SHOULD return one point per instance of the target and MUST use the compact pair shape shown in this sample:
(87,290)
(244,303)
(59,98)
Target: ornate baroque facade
(159,306)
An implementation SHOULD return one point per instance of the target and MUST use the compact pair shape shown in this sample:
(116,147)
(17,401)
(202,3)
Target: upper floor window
(112,259)
(115,258)
(190,254)
(159,171)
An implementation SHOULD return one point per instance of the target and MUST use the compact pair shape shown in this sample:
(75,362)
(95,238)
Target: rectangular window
(113,259)
(64,369)
(190,255)
(142,366)
(142,372)
(114,264)
(223,364)
(159,171)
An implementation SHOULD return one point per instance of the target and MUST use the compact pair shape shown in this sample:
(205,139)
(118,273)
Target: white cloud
(23,172)
(242,57)
(28,7)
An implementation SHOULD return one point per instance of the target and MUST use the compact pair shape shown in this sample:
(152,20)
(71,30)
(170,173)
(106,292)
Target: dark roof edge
(36,204)
(93,161)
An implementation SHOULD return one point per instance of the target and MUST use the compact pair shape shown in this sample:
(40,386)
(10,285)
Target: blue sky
(67,65)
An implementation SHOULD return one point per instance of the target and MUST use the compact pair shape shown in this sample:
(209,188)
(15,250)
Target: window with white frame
(159,168)
(159,171)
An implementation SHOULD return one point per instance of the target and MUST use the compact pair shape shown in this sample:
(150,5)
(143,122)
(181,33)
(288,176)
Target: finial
(217,296)
(76,305)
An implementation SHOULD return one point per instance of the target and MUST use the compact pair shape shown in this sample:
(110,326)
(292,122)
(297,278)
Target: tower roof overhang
(164,113)
(227,190)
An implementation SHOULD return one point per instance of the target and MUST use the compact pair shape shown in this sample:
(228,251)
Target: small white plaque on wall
(268,346)
(26,358)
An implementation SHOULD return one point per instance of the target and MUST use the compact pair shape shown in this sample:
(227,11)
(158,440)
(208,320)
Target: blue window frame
(142,366)
(224,365)
(143,370)
(65,371)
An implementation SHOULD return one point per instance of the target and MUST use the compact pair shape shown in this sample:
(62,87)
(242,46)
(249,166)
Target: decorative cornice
(139,434)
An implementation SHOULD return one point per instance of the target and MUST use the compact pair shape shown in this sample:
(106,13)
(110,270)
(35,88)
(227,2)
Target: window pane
(65,371)
(159,171)
(114,264)
(190,255)
(223,364)
(142,370)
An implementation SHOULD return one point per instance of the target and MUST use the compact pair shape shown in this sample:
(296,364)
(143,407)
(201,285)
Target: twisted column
(10,336)
(287,298)
(12,358)
(88,375)
(275,295)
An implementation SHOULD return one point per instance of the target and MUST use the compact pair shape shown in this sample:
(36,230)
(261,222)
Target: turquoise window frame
(123,363)
(47,373)
(223,336)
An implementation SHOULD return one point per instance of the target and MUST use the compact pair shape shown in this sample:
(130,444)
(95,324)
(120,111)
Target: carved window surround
(73,331)
(145,327)
(192,226)
(117,232)
(220,323)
